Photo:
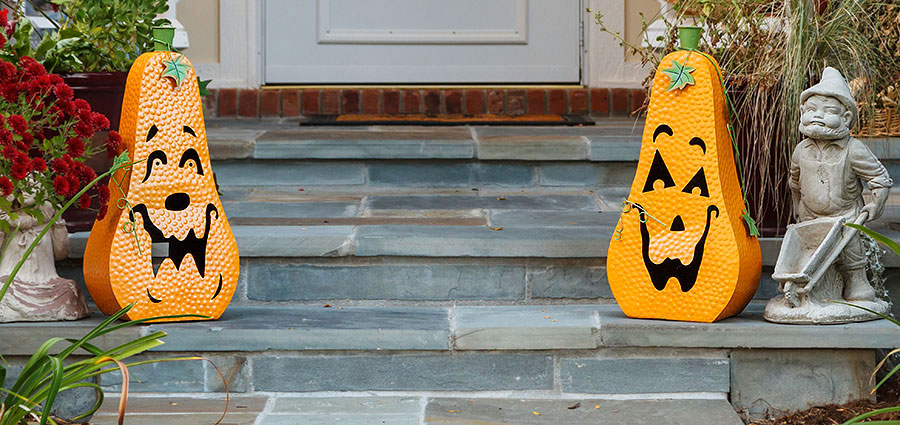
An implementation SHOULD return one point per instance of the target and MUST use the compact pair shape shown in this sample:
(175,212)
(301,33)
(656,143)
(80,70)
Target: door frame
(242,54)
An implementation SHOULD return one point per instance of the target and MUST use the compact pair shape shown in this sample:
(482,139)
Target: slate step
(415,410)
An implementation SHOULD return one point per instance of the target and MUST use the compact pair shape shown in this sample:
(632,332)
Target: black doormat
(448,119)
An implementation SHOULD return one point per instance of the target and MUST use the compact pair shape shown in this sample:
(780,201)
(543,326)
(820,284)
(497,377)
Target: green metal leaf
(680,75)
(176,69)
(202,84)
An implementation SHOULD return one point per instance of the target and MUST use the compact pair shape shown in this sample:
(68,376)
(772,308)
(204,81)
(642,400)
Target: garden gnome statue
(822,260)
(38,293)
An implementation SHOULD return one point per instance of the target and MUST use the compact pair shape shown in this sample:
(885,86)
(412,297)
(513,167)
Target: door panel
(422,41)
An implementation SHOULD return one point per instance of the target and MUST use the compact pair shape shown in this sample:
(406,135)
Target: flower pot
(104,91)
(38,294)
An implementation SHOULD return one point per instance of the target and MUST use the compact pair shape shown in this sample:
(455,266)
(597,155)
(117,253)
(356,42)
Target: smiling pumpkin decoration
(168,201)
(682,249)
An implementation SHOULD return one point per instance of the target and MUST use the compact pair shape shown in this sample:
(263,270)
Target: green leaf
(877,236)
(176,69)
(55,384)
(121,160)
(202,85)
(680,75)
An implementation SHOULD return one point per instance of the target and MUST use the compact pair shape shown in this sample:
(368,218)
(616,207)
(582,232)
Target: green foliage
(769,52)
(859,418)
(92,36)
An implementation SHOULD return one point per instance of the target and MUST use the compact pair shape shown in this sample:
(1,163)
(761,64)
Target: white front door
(422,41)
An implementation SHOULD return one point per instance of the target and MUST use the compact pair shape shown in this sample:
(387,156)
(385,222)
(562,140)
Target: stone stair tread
(560,412)
(523,328)
(315,409)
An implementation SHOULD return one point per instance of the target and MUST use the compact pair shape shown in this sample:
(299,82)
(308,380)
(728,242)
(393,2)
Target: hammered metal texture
(730,269)
(116,272)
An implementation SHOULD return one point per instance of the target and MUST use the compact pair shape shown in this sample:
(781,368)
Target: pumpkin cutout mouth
(179,248)
(660,273)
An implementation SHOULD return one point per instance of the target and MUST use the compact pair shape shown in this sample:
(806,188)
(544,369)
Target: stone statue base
(56,299)
(819,313)
(816,308)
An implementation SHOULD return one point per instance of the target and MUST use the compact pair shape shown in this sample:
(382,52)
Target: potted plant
(769,52)
(92,46)
(43,134)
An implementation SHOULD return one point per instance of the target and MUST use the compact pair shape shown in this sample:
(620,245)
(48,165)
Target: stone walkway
(415,410)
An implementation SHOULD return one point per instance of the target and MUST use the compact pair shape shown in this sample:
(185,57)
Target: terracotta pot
(104,91)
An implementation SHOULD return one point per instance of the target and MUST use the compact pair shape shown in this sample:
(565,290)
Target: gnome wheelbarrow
(809,248)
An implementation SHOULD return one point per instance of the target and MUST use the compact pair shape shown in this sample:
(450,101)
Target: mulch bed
(834,414)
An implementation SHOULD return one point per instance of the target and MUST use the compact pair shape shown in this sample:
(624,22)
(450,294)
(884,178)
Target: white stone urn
(38,294)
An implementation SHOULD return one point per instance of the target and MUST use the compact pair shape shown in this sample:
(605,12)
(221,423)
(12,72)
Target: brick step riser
(289,103)
(314,281)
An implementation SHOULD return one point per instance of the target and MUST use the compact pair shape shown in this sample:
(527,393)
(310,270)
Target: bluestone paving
(551,218)
(176,419)
(767,382)
(420,174)
(747,330)
(288,173)
(532,148)
(609,149)
(451,143)
(276,281)
(246,328)
(454,241)
(498,174)
(587,174)
(524,327)
(167,376)
(461,411)
(559,203)
(432,372)
(635,375)
(290,209)
(24,338)
(230,149)
(293,241)
(345,410)
(569,281)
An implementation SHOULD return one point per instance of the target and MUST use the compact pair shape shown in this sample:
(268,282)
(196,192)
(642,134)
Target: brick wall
(288,103)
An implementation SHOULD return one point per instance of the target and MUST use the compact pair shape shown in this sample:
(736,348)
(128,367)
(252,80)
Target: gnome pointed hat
(833,85)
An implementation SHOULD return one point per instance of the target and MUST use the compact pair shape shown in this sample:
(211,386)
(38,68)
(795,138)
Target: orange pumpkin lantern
(682,250)
(169,199)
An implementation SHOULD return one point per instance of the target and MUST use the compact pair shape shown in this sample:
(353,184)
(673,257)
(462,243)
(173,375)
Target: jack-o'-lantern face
(685,267)
(170,208)
(681,250)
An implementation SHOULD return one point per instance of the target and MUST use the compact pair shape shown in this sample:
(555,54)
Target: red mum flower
(61,185)
(82,104)
(4,17)
(74,184)
(17,122)
(103,194)
(60,166)
(6,137)
(31,66)
(84,129)
(75,146)
(100,121)
(102,213)
(113,144)
(20,167)
(27,138)
(10,153)
(39,165)
(63,91)
(84,202)
(85,174)
(6,186)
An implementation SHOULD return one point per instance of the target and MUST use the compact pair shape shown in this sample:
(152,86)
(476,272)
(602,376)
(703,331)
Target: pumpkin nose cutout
(177,201)
(677,224)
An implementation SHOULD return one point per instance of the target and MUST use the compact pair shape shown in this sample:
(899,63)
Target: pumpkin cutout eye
(658,171)
(192,159)
(698,181)
(155,159)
